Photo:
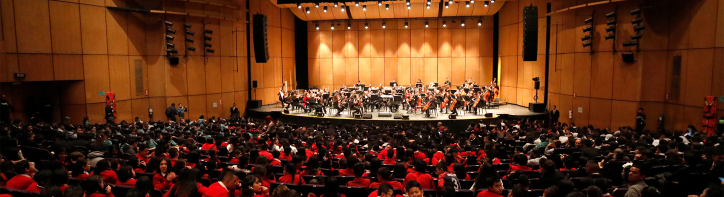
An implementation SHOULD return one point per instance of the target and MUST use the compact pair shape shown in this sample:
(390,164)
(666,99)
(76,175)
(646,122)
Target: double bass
(452,105)
(476,102)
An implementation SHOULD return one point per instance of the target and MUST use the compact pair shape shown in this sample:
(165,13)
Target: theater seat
(119,190)
(353,191)
(306,189)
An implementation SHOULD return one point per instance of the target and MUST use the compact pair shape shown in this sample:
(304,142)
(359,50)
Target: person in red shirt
(413,189)
(390,158)
(164,176)
(228,181)
(142,155)
(252,186)
(173,155)
(359,170)
(519,164)
(60,179)
(287,154)
(235,156)
(23,180)
(143,187)
(103,168)
(264,152)
(210,143)
(383,177)
(94,187)
(80,169)
(420,176)
(444,176)
(276,161)
(41,180)
(291,176)
(125,176)
(494,190)
(349,170)
(385,190)
(312,167)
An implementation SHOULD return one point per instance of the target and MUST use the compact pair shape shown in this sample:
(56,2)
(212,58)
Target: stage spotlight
(636,21)
(444,23)
(587,44)
(428,6)
(467,4)
(170,37)
(408,2)
(207,38)
(383,25)
(379,3)
(187,25)
(486,3)
(610,36)
(472,1)
(336,4)
(208,31)
(207,45)
(210,50)
(588,20)
(429,2)
(387,7)
(611,22)
(586,37)
(427,24)
(462,23)
(636,37)
(409,7)
(307,9)
(405,24)
(492,1)
(191,48)
(612,14)
(169,45)
(447,5)
(343,8)
(639,28)
(356,3)
(349,26)
(364,7)
(316,5)
(189,40)
(299,5)
(332,27)
(316,26)
(190,33)
(367,26)
(171,31)
(611,29)
(480,22)
(450,1)
(171,51)
(635,12)
(630,43)
(587,29)
(169,23)
(325,8)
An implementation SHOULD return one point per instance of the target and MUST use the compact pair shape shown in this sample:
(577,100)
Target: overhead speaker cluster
(638,27)
(587,40)
(530,33)
(170,47)
(261,44)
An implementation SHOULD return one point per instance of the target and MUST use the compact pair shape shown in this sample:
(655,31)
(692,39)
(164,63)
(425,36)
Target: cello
(452,105)
(476,102)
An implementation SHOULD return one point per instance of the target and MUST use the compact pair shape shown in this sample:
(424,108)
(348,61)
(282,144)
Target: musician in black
(339,104)
(455,97)
(296,102)
(356,104)
(447,82)
(430,99)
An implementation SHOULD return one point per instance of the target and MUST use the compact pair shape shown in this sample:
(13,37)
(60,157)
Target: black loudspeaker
(384,114)
(537,85)
(537,107)
(405,117)
(320,114)
(367,116)
(253,104)
(530,33)
(451,116)
(357,115)
(253,84)
(627,57)
(173,61)
(489,115)
(397,116)
(286,111)
(261,45)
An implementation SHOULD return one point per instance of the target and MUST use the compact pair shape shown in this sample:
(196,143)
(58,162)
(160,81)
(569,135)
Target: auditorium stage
(502,112)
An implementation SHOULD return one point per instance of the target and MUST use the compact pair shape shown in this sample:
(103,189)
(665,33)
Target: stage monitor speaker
(537,107)
(286,111)
(261,44)
(367,116)
(320,114)
(530,33)
(384,114)
(452,116)
(489,115)
(397,116)
(173,61)
(253,84)
(405,117)
(253,104)
(628,57)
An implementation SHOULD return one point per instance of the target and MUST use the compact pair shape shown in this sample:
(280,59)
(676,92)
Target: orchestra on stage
(414,98)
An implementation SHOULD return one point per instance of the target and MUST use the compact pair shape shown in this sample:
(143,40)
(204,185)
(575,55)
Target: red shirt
(424,179)
(284,157)
(34,188)
(514,168)
(346,172)
(216,190)
(20,182)
(275,162)
(288,179)
(374,194)
(488,193)
(266,154)
(208,146)
(419,155)
(359,181)
(173,161)
(161,183)
(129,182)
(234,160)
(83,176)
(394,184)
(142,158)
(305,172)
(109,176)
(100,195)
(389,161)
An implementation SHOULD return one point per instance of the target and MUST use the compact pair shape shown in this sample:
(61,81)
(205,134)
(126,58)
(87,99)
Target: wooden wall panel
(95,69)
(195,69)
(430,45)
(717,87)
(472,41)
(352,72)
(212,110)
(445,43)
(65,27)
(581,110)
(213,75)
(472,69)
(37,67)
(365,70)
(365,44)
(93,29)
(339,71)
(377,71)
(417,69)
(68,67)
(404,45)
(8,24)
(600,115)
(326,72)
(582,74)
(390,71)
(313,43)
(653,86)
(458,70)
(116,29)
(198,104)
(403,71)
(698,76)
(176,77)
(431,72)
(391,44)
(702,32)
(444,69)
(567,70)
(32,19)
(378,43)
(338,44)
(417,40)
(120,78)
(351,39)
(458,43)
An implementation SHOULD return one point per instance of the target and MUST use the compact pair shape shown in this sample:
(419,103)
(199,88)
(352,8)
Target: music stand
(397,98)
(365,88)
(476,89)
(436,85)
(467,90)
(423,94)
(375,97)
(375,91)
(388,91)
(358,92)
(325,96)
(466,97)
(347,94)
(453,91)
